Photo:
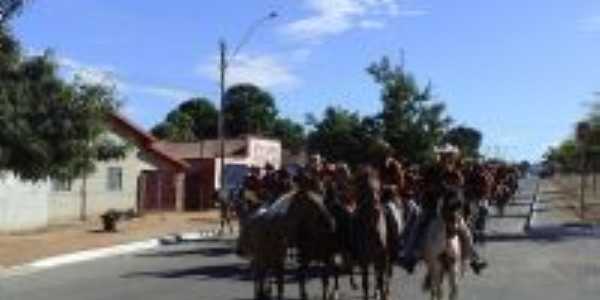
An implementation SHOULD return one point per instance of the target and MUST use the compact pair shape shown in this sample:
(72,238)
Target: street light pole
(223,65)
(221,129)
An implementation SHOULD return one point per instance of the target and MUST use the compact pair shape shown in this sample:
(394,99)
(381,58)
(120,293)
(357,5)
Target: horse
(263,240)
(341,204)
(371,236)
(442,250)
(502,196)
(478,186)
(311,229)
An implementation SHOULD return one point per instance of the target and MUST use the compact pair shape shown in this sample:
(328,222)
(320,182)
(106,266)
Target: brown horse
(311,228)
(371,241)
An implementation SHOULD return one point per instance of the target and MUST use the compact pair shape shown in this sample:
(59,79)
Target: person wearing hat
(443,174)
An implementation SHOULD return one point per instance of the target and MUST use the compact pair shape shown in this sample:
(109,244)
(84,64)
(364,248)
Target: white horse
(443,255)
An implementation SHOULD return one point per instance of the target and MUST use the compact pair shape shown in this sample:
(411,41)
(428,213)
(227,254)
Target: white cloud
(159,91)
(371,24)
(414,13)
(263,70)
(107,75)
(331,17)
(590,24)
(91,74)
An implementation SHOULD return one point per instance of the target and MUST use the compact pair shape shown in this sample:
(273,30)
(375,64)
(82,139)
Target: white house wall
(66,206)
(263,151)
(23,205)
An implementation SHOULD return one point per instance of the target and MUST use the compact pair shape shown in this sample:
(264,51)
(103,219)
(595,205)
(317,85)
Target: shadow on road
(203,251)
(564,232)
(235,271)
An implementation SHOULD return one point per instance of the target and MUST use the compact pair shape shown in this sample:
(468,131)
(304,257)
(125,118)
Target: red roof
(145,140)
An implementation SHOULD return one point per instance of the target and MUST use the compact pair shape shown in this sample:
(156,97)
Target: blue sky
(521,71)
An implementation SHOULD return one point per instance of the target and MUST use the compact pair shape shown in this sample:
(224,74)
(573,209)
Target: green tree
(467,139)
(9,9)
(192,120)
(412,122)
(339,136)
(249,110)
(49,128)
(566,155)
(290,133)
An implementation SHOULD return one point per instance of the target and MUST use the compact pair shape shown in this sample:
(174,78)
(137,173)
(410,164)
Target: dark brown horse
(310,229)
(263,240)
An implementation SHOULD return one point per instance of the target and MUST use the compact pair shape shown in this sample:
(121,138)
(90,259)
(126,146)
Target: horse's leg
(350,267)
(324,282)
(453,281)
(388,279)
(256,278)
(280,281)
(380,273)
(365,280)
(302,280)
(261,285)
(436,281)
(335,271)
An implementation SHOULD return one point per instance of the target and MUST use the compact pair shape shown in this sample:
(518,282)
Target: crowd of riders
(416,189)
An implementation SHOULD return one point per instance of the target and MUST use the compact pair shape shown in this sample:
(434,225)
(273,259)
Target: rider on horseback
(252,189)
(445,173)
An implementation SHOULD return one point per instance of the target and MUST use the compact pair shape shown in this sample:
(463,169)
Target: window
(61,185)
(115,179)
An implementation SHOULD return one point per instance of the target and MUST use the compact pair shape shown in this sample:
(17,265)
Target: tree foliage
(192,120)
(565,155)
(249,110)
(340,135)
(48,127)
(9,9)
(290,133)
(467,139)
(412,122)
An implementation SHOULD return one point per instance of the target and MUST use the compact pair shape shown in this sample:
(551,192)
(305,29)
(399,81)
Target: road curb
(93,254)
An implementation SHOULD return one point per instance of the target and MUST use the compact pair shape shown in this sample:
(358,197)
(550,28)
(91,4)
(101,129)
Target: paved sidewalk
(24,248)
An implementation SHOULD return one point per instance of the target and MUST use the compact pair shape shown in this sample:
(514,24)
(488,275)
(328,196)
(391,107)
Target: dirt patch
(567,190)
(17,249)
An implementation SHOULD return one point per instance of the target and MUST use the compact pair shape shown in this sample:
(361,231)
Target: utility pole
(582,133)
(221,129)
(223,65)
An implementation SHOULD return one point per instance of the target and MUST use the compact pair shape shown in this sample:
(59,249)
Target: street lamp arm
(246,37)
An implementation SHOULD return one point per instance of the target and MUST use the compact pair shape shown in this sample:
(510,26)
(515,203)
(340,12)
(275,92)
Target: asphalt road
(539,266)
